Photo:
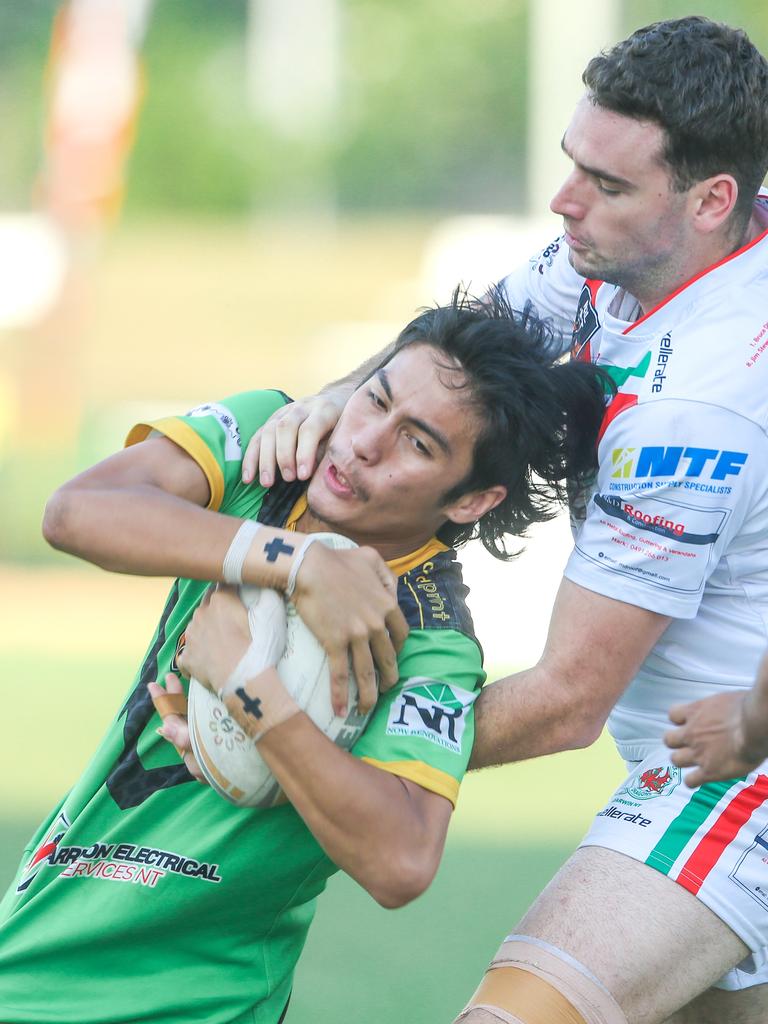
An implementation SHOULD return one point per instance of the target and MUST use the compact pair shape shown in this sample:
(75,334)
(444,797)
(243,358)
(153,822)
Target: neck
(667,281)
(389,548)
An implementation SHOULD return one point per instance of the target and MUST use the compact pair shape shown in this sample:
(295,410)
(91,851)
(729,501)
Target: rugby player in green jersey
(145,896)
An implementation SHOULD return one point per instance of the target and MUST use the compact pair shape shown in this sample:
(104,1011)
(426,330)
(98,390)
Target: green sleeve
(216,436)
(423,728)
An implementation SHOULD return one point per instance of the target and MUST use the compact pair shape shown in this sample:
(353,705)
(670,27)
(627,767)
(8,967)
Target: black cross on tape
(275,548)
(251,706)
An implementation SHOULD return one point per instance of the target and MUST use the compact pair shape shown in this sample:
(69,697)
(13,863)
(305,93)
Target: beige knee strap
(531,982)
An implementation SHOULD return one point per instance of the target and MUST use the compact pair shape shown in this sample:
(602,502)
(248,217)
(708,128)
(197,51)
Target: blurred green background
(251,244)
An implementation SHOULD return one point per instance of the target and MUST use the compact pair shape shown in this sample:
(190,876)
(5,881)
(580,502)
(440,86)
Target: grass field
(64,679)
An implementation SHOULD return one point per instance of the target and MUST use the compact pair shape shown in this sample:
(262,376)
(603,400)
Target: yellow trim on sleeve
(184,436)
(422,774)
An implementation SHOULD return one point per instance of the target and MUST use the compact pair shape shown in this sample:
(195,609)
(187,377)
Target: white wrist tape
(267,624)
(232,567)
(301,554)
(250,665)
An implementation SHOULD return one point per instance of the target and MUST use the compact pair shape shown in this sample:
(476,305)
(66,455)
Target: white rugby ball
(228,758)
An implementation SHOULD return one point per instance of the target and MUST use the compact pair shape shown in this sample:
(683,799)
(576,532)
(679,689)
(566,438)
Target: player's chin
(337,515)
(581,263)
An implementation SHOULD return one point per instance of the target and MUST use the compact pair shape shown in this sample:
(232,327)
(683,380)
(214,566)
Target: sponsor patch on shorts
(650,782)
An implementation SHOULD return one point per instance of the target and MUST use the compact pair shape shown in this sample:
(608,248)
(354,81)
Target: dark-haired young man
(661,277)
(147,897)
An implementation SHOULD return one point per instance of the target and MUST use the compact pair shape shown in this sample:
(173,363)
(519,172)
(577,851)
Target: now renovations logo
(650,461)
(433,711)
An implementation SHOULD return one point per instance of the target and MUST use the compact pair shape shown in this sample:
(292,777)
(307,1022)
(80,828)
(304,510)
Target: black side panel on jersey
(286,398)
(279,500)
(433,596)
(129,782)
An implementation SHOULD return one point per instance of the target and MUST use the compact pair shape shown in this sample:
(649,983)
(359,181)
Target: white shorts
(712,840)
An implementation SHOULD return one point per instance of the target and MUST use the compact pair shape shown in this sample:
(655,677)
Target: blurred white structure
(33,262)
(476,251)
(563,37)
(294,63)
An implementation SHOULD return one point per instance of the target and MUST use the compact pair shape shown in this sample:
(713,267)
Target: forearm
(529,715)
(378,828)
(145,531)
(594,648)
(364,818)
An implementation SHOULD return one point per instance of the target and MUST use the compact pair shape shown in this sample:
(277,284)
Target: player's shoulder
(718,358)
(244,407)
(433,595)
(548,285)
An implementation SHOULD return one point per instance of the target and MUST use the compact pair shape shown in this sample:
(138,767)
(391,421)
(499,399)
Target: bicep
(157,463)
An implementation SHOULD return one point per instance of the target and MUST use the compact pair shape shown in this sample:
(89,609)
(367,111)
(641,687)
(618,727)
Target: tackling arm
(594,648)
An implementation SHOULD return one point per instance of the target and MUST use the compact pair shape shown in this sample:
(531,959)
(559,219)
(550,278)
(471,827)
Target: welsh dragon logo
(653,782)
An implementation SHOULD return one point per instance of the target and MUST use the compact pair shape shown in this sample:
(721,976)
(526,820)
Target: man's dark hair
(540,417)
(706,86)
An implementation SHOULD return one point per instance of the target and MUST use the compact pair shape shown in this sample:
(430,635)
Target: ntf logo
(676,461)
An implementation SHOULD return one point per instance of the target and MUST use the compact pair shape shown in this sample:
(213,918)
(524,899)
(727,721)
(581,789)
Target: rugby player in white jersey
(661,276)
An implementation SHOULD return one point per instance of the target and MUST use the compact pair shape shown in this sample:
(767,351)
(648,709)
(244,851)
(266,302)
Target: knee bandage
(532,982)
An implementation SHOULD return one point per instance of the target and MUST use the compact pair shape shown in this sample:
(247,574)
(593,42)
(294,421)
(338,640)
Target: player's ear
(714,200)
(473,506)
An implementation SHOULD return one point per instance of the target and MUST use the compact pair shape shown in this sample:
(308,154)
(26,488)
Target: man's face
(624,223)
(405,438)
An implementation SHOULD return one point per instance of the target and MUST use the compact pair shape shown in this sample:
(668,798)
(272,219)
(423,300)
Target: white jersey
(677,521)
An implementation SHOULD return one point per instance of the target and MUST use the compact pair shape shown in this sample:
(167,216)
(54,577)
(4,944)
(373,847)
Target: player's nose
(567,202)
(368,444)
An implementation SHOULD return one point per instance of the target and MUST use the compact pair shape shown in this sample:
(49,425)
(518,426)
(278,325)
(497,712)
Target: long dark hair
(540,416)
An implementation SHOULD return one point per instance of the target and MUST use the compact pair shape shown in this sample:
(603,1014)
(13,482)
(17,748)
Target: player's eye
(419,445)
(377,400)
(606,189)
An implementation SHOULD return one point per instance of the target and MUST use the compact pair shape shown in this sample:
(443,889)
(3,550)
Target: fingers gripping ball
(230,759)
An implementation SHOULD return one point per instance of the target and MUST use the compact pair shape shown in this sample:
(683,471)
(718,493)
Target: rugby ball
(228,758)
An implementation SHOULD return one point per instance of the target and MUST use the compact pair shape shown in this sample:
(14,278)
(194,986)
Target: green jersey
(145,896)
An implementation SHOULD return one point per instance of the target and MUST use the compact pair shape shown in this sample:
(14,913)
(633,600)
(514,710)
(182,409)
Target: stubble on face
(649,273)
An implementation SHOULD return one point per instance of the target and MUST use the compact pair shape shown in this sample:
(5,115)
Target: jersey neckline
(697,277)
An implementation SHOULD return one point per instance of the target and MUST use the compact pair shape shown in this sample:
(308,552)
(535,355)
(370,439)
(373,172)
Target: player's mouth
(337,483)
(575,243)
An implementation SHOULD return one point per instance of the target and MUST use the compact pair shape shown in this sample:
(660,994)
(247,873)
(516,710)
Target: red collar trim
(696,277)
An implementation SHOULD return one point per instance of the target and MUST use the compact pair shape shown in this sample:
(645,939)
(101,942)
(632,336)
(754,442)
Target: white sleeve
(681,487)
(551,285)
